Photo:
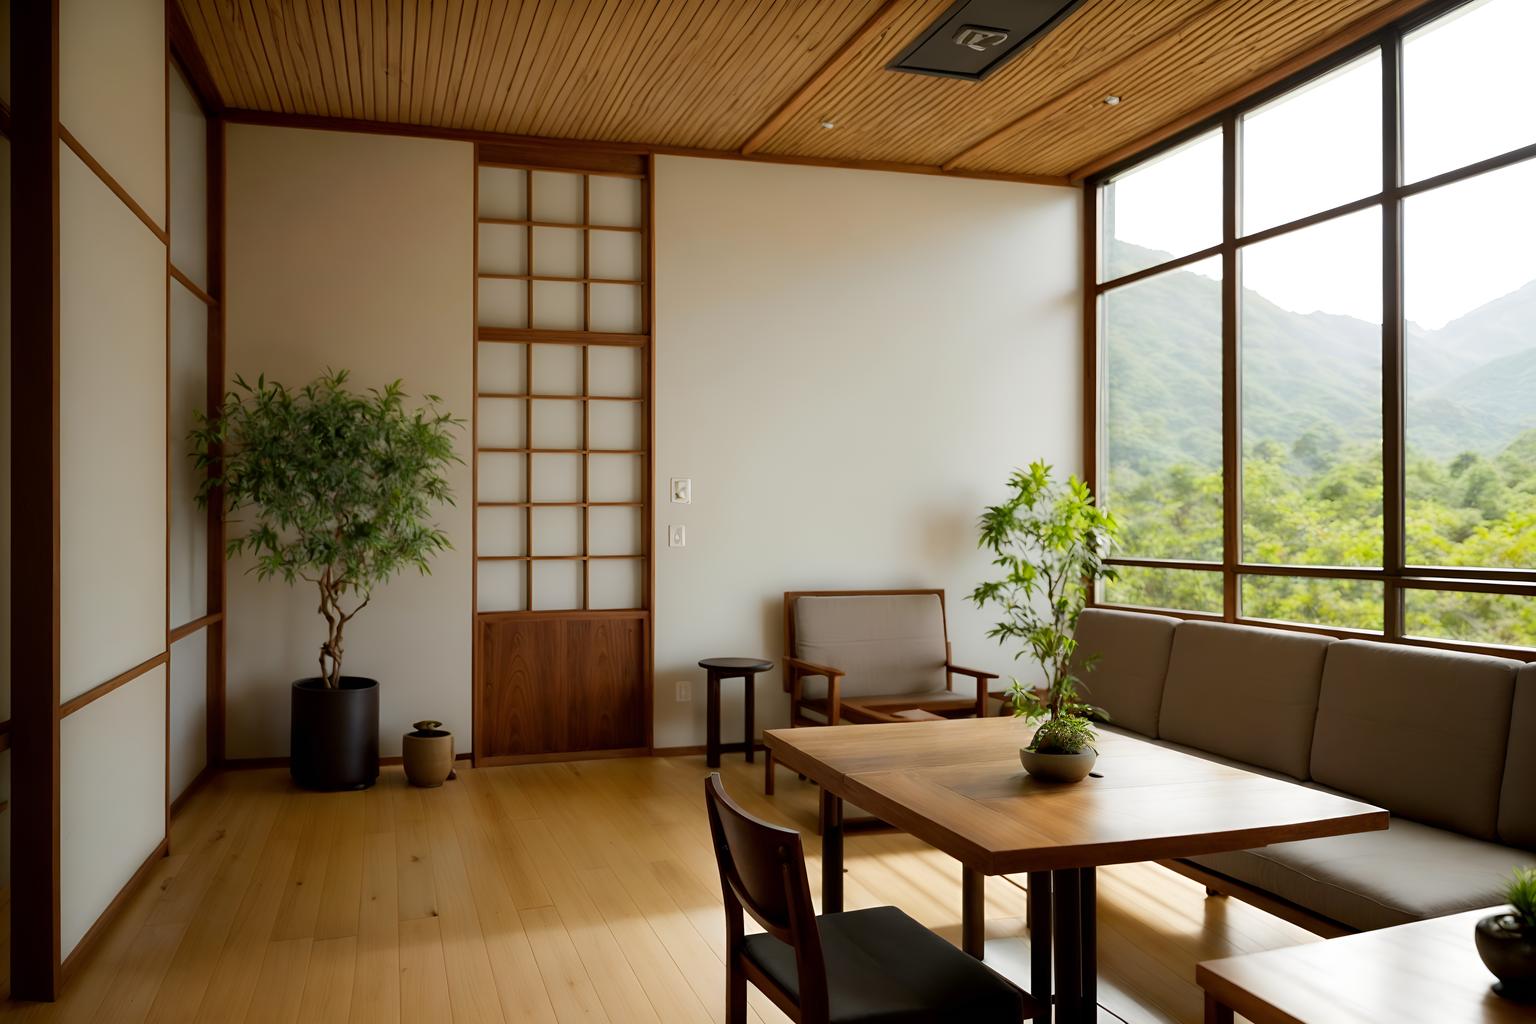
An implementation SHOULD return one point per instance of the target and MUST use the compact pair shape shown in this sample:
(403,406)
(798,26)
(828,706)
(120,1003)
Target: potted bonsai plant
(338,488)
(1050,540)
(1507,941)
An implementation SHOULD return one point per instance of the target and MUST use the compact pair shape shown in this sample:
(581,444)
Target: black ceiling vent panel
(976,37)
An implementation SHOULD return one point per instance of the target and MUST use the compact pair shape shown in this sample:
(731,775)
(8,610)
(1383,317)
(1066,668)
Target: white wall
(848,365)
(353,251)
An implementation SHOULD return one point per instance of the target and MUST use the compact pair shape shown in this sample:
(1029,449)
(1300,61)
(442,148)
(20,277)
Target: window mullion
(1231,371)
(1393,443)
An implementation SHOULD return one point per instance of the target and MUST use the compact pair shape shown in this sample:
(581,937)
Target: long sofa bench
(1444,741)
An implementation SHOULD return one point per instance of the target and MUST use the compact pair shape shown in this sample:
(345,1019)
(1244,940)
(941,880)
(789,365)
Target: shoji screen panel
(562,424)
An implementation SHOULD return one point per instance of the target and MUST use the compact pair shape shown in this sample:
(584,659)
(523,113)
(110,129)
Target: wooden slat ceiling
(721,75)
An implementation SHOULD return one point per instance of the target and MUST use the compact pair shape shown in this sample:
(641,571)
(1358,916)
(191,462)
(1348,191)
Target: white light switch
(682,491)
(677,537)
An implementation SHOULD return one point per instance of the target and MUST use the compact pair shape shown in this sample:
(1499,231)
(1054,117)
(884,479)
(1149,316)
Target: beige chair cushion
(1244,692)
(1378,879)
(884,643)
(1517,800)
(1126,680)
(1418,731)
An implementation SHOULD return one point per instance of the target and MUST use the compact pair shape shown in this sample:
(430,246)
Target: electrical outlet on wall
(682,491)
(684,691)
(677,537)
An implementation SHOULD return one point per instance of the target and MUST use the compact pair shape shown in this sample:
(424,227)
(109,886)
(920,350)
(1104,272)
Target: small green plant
(339,484)
(1520,893)
(1050,540)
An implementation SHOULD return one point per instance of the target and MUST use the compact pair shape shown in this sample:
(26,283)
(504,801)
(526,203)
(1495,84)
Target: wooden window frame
(1395,574)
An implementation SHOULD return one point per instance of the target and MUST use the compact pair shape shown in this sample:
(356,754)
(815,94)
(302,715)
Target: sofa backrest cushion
(1244,692)
(1517,800)
(885,643)
(1420,732)
(1122,658)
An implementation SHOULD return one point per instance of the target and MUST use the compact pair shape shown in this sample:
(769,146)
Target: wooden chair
(860,656)
(862,965)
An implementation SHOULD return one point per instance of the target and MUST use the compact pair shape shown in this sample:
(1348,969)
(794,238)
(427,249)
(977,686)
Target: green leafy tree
(1050,540)
(339,486)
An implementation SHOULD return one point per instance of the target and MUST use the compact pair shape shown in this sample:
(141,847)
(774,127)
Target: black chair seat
(885,968)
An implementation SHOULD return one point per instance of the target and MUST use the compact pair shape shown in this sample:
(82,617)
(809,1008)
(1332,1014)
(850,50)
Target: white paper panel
(557,306)
(616,583)
(558,252)
(5,437)
(111,797)
(501,423)
(556,586)
(614,478)
(614,531)
(500,531)
(557,531)
(557,197)
(502,368)
(501,586)
(557,369)
(615,425)
(614,370)
(503,249)
(503,303)
(189,710)
(556,478)
(616,254)
(112,70)
(500,477)
(189,182)
(189,393)
(557,424)
(616,308)
(503,193)
(112,433)
(615,200)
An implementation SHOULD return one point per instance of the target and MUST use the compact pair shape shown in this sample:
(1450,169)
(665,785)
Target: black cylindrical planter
(334,734)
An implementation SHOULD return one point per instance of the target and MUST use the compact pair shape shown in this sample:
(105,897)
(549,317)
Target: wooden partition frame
(1396,575)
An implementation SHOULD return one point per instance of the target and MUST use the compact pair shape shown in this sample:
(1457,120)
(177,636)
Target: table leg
(973,912)
(1069,949)
(712,726)
(1215,1013)
(1039,896)
(1087,887)
(751,707)
(831,853)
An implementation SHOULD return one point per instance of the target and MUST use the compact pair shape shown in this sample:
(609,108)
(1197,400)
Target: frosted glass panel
(501,423)
(616,308)
(500,531)
(614,478)
(616,583)
(189,394)
(556,586)
(557,252)
(501,586)
(557,478)
(503,193)
(189,182)
(557,369)
(503,303)
(189,710)
(500,477)
(557,531)
(614,370)
(557,306)
(557,197)
(614,531)
(557,424)
(615,201)
(502,368)
(503,249)
(615,425)
(616,254)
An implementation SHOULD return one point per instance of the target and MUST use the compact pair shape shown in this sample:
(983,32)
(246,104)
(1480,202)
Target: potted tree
(338,487)
(1507,940)
(1050,540)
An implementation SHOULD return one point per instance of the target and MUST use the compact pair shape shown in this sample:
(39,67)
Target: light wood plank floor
(546,893)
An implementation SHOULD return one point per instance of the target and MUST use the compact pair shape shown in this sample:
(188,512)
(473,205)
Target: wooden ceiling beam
(1344,38)
(872,27)
(1099,80)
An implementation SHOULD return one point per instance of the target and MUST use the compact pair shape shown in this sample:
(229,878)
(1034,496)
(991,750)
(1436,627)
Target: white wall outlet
(684,691)
(677,537)
(682,491)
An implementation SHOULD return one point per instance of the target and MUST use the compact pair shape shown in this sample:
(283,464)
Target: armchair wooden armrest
(796,669)
(982,678)
(974,673)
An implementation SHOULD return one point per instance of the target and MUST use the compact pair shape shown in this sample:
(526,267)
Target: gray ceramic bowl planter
(1058,767)
(1509,950)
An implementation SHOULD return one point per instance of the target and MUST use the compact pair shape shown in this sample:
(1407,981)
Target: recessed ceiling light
(1111,101)
(829,124)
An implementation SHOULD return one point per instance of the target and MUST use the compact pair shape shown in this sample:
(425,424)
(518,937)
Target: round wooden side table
(745,669)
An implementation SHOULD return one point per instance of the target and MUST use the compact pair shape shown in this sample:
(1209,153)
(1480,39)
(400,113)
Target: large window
(1315,346)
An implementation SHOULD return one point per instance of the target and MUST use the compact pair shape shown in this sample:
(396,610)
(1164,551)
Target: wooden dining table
(958,786)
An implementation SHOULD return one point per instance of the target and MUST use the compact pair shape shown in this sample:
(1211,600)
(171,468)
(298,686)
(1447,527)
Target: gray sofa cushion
(885,643)
(1420,732)
(1126,680)
(1377,879)
(1517,800)
(1244,692)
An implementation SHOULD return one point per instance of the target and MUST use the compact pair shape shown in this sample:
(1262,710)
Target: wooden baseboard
(507,760)
(240,764)
(696,749)
(93,935)
(197,783)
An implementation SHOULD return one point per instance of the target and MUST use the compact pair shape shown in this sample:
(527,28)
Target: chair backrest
(762,872)
(885,641)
